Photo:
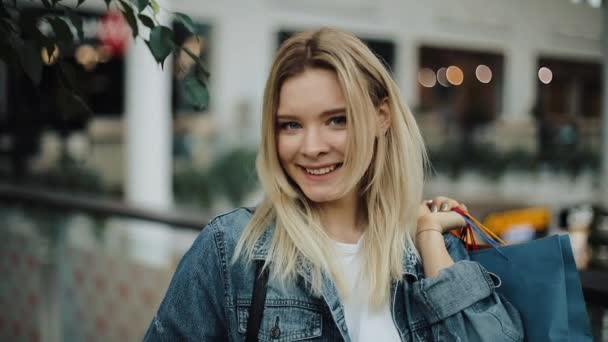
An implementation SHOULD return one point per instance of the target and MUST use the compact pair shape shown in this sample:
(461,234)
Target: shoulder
(223,231)
(215,244)
(232,222)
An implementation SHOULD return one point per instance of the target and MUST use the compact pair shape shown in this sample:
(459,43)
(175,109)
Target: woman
(351,253)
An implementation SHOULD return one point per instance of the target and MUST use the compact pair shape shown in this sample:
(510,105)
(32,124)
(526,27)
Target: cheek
(339,141)
(285,149)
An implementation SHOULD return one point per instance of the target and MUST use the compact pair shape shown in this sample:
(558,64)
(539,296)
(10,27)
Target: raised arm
(456,291)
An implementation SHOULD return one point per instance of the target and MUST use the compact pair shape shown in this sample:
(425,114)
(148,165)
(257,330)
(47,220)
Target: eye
(288,125)
(338,121)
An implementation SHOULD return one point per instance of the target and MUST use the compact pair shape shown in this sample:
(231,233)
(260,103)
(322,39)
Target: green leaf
(186,21)
(79,3)
(147,21)
(46,4)
(29,24)
(46,43)
(9,26)
(129,15)
(29,29)
(160,43)
(77,22)
(195,92)
(141,5)
(63,33)
(9,13)
(108,2)
(29,57)
(155,7)
(14,12)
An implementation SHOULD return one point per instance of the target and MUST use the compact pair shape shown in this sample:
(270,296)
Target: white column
(520,84)
(148,138)
(604,171)
(407,65)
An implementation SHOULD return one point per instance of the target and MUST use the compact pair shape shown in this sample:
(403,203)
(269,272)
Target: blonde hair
(387,169)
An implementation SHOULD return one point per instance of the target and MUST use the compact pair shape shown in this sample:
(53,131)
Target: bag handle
(257,303)
(486,233)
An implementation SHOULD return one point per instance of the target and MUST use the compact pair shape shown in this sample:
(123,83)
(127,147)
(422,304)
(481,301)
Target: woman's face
(311,133)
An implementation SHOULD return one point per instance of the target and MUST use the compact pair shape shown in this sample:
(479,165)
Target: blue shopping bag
(540,279)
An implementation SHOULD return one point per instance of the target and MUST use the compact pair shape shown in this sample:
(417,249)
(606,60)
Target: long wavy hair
(385,167)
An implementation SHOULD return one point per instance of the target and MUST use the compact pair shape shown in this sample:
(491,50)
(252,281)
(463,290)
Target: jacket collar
(262,245)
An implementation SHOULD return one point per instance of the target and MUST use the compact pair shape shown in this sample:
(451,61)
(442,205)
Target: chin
(320,197)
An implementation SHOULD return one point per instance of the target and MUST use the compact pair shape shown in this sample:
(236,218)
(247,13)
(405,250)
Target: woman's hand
(434,218)
(437,214)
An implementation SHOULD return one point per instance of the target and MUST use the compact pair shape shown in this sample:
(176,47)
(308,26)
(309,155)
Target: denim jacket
(209,298)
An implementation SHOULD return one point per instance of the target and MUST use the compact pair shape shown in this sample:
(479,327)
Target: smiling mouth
(322,171)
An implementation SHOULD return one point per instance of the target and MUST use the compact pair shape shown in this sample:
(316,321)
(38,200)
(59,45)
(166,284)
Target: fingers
(444,204)
(432,205)
(450,220)
(439,211)
(441,203)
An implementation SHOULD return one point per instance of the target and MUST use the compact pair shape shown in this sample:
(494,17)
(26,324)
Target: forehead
(311,92)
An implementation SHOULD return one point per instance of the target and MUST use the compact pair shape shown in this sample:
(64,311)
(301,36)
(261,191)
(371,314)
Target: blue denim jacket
(209,298)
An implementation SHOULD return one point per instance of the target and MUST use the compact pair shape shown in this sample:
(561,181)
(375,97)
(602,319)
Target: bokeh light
(427,78)
(442,78)
(483,73)
(455,75)
(545,75)
(86,55)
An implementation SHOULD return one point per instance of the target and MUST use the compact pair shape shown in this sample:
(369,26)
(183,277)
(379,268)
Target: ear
(384,116)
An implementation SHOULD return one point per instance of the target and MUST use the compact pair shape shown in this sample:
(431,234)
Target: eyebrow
(324,113)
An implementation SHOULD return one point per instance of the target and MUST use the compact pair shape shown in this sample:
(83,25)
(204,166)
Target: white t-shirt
(363,325)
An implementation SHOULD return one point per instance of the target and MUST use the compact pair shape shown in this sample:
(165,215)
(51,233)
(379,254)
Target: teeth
(322,171)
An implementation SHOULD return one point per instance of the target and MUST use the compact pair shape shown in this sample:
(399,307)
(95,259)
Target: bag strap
(257,303)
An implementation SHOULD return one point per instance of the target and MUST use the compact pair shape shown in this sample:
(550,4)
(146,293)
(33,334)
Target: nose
(314,145)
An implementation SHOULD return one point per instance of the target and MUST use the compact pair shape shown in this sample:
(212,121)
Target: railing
(68,202)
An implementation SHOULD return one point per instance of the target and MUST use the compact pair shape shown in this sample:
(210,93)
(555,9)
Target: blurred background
(97,208)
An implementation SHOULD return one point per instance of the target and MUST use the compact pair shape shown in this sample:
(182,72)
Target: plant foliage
(22,40)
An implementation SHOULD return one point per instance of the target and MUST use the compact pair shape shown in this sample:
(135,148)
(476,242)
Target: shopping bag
(577,310)
(540,279)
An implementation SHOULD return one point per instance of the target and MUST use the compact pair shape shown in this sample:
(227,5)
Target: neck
(341,219)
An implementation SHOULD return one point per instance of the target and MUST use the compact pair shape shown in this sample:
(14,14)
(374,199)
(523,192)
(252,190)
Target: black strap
(257,303)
